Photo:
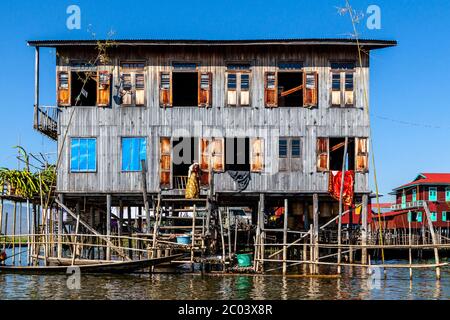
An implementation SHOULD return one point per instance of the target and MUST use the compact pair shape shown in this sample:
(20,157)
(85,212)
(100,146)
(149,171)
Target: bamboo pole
(364,213)
(409,250)
(285,227)
(316,228)
(229,233)
(144,194)
(433,238)
(20,232)
(14,234)
(235,232)
(256,261)
(344,160)
(1,216)
(108,225)
(28,232)
(222,238)
(75,246)
(156,224)
(194,214)
(261,236)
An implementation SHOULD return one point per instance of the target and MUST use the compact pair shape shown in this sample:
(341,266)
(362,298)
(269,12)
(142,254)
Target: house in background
(434,188)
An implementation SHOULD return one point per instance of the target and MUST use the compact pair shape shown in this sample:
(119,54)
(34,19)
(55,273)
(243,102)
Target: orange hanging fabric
(334,186)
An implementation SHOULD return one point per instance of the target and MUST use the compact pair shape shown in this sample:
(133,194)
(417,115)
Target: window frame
(121,153)
(71,170)
(342,73)
(238,89)
(447,194)
(300,70)
(134,72)
(290,158)
(429,194)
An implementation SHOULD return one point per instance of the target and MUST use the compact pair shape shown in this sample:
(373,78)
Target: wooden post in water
(1,216)
(13,238)
(28,232)
(285,229)
(316,230)
(20,232)
(60,227)
(75,245)
(344,160)
(194,215)
(229,233)
(261,223)
(364,215)
(130,233)
(409,250)
(144,193)
(222,238)
(108,225)
(433,239)
(119,225)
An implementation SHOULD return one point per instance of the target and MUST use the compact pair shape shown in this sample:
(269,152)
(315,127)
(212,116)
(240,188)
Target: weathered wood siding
(108,125)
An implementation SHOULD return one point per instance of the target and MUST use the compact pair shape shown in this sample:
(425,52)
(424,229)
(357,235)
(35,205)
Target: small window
(414,195)
(283,146)
(132,81)
(238,84)
(232,81)
(432,194)
(444,216)
(342,84)
(83,155)
(433,216)
(447,194)
(134,150)
(419,217)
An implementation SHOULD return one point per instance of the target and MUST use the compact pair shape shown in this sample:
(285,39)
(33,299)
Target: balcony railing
(46,120)
(407,205)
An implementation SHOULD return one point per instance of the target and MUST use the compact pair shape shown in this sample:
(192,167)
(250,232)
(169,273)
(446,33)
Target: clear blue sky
(409,83)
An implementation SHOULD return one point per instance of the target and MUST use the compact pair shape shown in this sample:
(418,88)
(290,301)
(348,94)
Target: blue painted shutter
(414,195)
(419,216)
(409,216)
(433,216)
(133,151)
(444,215)
(447,194)
(432,194)
(92,163)
(126,154)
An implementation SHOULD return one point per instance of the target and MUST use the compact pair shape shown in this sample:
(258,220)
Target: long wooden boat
(111,267)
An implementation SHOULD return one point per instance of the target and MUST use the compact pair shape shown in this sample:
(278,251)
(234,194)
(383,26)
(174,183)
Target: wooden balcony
(46,120)
(180,182)
(407,205)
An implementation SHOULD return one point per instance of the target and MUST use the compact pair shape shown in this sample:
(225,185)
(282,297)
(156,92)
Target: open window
(185,88)
(83,88)
(103,88)
(237,154)
(342,84)
(132,80)
(330,154)
(165,164)
(238,84)
(185,153)
(290,86)
(362,155)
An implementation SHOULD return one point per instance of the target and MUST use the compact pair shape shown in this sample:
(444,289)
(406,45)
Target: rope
(366,108)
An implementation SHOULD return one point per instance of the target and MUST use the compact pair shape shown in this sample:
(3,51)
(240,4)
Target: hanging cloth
(242,178)
(334,186)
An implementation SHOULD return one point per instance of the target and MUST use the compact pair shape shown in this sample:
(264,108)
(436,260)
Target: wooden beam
(433,238)
(339,236)
(316,229)
(285,229)
(290,91)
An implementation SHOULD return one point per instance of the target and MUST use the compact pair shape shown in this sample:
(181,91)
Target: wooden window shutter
(63,89)
(205,154)
(165,89)
(322,154)
(232,89)
(349,86)
(103,88)
(139,89)
(335,88)
(218,154)
(244,89)
(310,79)
(127,87)
(165,162)
(257,155)
(362,155)
(270,90)
(204,89)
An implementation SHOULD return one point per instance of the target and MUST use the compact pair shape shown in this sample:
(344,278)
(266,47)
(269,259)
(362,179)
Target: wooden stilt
(262,200)
(60,227)
(364,214)
(316,230)
(130,233)
(108,225)
(20,232)
(77,228)
(144,194)
(28,232)
(433,239)
(13,238)
(120,222)
(409,241)
(339,236)
(194,215)
(222,239)
(285,230)
(229,234)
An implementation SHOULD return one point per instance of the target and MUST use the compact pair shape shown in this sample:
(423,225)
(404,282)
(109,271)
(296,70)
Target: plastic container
(244,259)
(184,239)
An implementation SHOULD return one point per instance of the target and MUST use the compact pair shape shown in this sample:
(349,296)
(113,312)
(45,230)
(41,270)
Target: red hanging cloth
(334,186)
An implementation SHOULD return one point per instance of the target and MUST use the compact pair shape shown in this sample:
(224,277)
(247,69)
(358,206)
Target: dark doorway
(337,146)
(185,89)
(290,81)
(84,85)
(237,154)
(185,153)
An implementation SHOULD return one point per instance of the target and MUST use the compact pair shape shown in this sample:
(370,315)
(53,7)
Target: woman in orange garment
(193,185)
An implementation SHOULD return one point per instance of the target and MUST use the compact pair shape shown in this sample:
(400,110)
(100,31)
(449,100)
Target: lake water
(352,285)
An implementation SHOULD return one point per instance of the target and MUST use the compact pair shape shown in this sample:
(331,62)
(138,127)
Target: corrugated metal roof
(368,43)
(427,179)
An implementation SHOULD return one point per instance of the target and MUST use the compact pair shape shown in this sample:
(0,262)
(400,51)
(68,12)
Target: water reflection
(171,286)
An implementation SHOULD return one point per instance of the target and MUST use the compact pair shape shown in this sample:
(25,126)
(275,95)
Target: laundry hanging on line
(334,186)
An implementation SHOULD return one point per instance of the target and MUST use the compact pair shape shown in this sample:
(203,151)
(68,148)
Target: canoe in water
(112,267)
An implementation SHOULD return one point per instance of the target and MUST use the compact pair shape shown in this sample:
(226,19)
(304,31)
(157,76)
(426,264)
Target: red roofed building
(434,188)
